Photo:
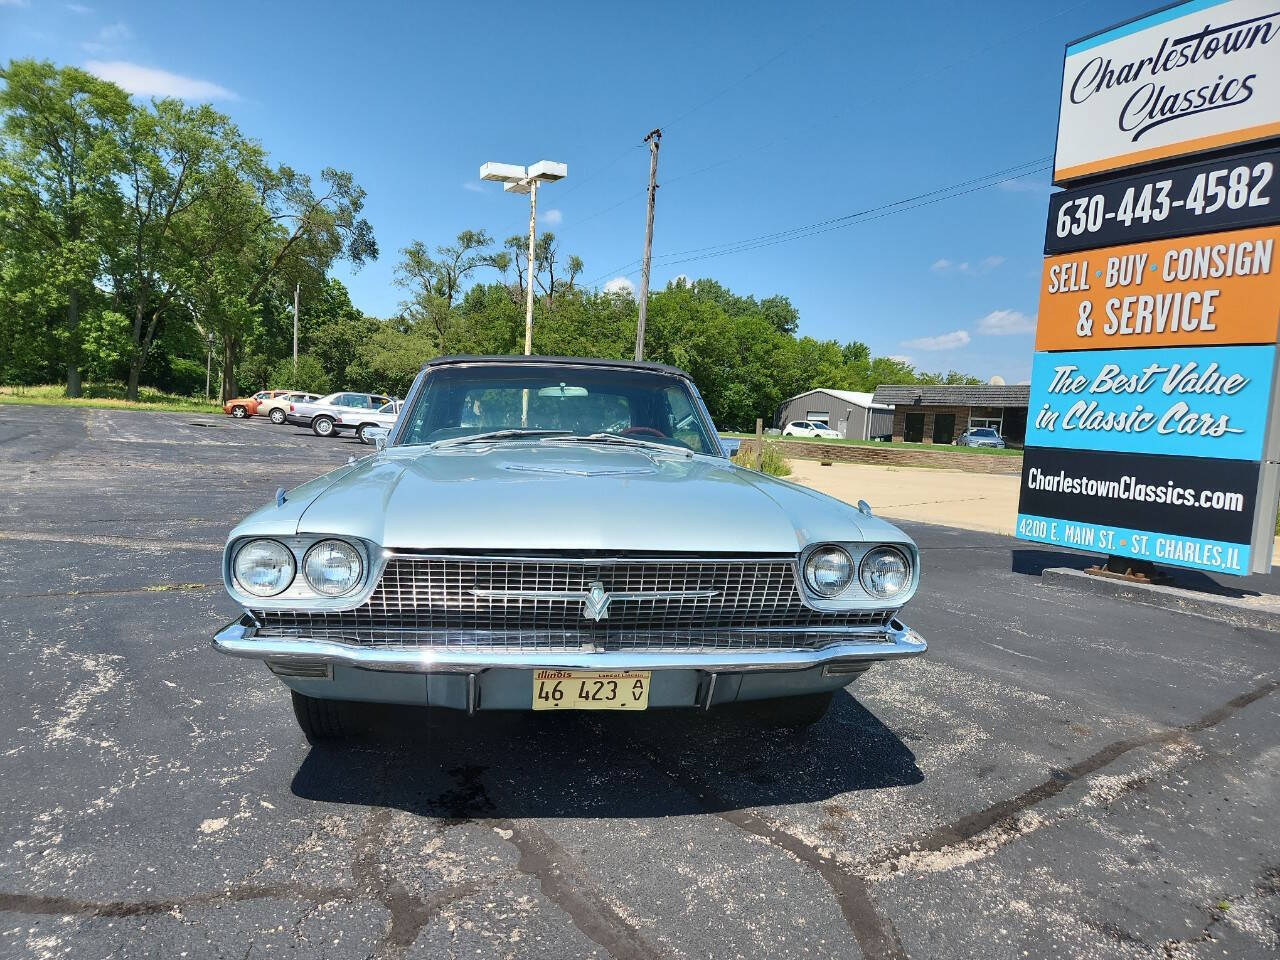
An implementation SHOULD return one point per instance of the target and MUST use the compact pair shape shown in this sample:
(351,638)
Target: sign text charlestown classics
(1154,425)
(1194,77)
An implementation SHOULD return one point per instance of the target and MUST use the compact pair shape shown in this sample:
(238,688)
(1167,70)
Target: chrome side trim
(240,639)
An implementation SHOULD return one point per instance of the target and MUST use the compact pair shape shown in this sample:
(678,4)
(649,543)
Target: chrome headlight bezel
(289,564)
(855,596)
(864,566)
(816,556)
(300,595)
(330,543)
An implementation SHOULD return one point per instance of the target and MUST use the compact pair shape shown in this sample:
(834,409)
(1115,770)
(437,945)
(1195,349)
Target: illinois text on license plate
(590,690)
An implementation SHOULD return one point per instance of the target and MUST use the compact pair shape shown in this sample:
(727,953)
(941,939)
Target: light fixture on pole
(518,179)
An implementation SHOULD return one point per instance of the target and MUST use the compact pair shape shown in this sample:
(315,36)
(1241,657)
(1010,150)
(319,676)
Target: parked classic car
(809,428)
(242,407)
(980,437)
(562,534)
(321,415)
(364,421)
(278,407)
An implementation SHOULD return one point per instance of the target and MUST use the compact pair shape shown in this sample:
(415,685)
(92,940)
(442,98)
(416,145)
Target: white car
(362,420)
(809,428)
(323,414)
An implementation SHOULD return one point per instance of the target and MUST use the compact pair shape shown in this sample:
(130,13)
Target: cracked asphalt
(1064,775)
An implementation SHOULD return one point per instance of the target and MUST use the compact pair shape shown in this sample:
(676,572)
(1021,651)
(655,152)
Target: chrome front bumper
(891,642)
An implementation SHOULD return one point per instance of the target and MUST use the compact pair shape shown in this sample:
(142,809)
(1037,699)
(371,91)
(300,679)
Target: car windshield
(984,432)
(555,400)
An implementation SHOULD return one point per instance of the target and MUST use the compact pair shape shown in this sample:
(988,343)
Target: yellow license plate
(590,690)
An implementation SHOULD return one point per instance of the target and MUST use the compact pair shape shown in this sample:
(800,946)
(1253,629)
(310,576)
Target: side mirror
(379,437)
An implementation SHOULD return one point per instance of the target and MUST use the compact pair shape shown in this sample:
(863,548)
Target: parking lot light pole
(518,179)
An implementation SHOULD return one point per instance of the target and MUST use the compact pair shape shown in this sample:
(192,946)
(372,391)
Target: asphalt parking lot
(1062,776)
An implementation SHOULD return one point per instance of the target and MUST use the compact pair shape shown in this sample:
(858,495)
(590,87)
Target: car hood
(549,496)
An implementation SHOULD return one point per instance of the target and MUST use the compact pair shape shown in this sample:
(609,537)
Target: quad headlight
(332,568)
(828,571)
(264,567)
(885,572)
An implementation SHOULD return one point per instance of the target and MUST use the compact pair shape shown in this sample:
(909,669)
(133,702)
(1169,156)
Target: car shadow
(1033,562)
(664,763)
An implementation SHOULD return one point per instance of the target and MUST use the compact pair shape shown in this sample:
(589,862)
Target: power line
(692,110)
(744,78)
(840,226)
(757,149)
(810,229)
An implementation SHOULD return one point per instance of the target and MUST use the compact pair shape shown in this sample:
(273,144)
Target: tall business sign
(1154,426)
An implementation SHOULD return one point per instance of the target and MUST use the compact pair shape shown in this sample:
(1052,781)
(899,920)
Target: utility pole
(528,303)
(296,290)
(652,139)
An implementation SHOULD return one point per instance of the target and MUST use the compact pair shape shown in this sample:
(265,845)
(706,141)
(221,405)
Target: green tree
(59,163)
(173,156)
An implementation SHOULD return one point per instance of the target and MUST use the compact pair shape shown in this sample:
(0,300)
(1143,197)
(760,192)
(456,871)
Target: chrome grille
(459,602)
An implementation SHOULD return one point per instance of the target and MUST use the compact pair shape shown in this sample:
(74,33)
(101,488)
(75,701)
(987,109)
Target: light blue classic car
(562,534)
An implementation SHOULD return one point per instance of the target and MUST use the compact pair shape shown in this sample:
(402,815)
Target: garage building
(940,414)
(856,416)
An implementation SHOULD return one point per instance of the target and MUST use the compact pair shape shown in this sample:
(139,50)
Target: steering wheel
(647,431)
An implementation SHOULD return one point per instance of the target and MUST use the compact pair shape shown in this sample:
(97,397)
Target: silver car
(321,415)
(981,437)
(562,534)
(366,422)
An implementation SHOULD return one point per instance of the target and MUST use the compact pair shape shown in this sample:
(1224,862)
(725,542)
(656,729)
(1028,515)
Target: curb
(1261,611)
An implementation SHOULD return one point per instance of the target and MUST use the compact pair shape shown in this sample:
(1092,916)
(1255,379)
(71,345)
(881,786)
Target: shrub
(772,461)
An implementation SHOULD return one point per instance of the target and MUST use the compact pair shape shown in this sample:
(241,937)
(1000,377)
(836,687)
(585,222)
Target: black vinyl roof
(567,361)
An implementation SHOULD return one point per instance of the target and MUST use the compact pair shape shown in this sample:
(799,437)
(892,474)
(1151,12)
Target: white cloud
(472,187)
(150,82)
(620,285)
(943,341)
(551,218)
(900,357)
(1003,323)
(1027,185)
(79,8)
(13,3)
(109,38)
(985,265)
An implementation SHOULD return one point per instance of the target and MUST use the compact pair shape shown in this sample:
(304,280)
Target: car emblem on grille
(595,599)
(596,604)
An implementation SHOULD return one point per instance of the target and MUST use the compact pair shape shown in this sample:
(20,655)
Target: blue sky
(774,116)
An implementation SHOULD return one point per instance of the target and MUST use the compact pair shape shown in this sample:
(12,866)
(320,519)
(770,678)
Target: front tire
(277,416)
(322,721)
(322,426)
(361,433)
(239,412)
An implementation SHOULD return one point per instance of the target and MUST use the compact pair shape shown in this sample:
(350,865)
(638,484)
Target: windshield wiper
(510,434)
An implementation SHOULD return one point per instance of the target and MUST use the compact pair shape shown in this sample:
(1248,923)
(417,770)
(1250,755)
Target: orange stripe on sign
(1110,298)
(1259,132)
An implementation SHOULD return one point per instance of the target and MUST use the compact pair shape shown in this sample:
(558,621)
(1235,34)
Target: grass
(108,395)
(933,447)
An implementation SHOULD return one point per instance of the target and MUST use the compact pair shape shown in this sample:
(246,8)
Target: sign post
(1153,430)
